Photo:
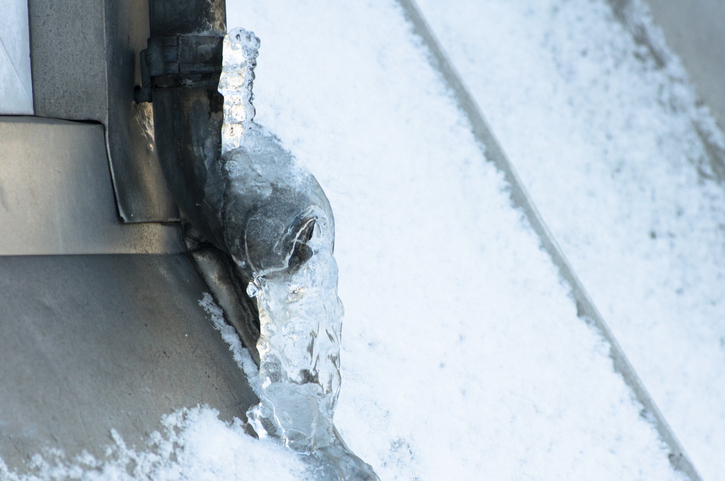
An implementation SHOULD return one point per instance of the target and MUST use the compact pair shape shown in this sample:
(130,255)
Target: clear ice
(279,229)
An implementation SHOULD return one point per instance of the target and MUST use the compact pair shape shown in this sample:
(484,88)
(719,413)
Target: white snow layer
(195,445)
(607,144)
(463,357)
(16,86)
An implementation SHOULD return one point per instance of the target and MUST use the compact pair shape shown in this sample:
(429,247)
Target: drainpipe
(254,216)
(180,76)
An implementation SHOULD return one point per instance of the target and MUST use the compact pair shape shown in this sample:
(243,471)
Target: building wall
(695,30)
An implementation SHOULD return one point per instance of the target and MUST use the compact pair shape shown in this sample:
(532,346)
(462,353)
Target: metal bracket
(179,61)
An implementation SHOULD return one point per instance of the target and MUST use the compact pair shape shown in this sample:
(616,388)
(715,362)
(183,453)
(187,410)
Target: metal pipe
(181,69)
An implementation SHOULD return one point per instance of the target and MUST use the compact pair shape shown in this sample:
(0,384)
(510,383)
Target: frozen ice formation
(279,230)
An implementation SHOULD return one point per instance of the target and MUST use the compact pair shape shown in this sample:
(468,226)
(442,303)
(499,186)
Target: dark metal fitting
(180,61)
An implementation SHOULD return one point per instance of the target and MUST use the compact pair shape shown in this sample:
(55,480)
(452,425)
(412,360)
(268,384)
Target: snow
(462,352)
(463,357)
(610,147)
(16,86)
(195,445)
(229,335)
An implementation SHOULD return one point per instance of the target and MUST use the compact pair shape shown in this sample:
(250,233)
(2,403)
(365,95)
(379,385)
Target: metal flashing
(94,343)
(85,67)
(56,195)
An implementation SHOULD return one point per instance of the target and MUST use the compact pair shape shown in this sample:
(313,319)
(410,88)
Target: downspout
(259,225)
(180,70)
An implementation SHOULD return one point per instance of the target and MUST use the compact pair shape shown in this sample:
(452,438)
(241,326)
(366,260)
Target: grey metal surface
(67,47)
(586,310)
(94,343)
(56,195)
(184,17)
(141,189)
(85,67)
(189,144)
(240,311)
(695,30)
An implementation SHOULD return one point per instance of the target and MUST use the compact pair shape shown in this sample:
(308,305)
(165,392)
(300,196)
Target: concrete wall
(695,30)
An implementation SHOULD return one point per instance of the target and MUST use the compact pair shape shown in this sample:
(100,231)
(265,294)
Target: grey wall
(101,342)
(85,65)
(695,30)
(69,59)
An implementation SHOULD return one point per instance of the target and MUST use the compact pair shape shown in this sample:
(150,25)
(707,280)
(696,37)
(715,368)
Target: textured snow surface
(195,445)
(607,144)
(462,353)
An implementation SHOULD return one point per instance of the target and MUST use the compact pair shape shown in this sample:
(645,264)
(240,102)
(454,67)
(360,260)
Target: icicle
(279,229)
(235,84)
